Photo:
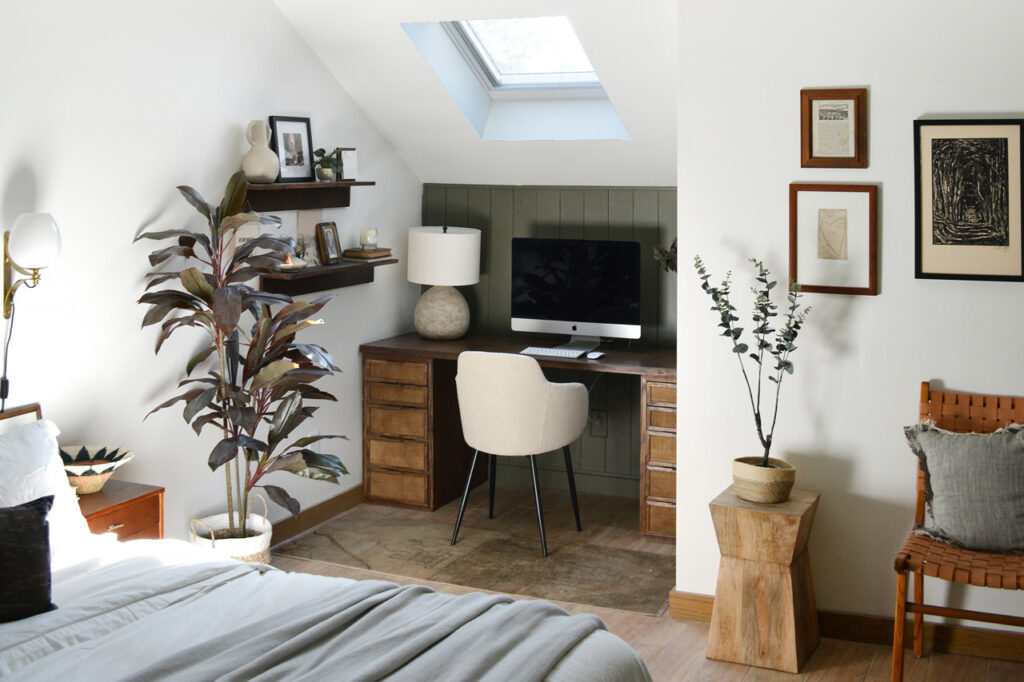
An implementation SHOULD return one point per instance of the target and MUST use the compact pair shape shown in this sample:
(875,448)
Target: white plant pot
(255,548)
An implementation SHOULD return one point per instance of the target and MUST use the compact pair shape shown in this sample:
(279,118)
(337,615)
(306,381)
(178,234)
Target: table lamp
(443,257)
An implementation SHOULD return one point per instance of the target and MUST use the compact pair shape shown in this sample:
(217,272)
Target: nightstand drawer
(661,519)
(660,418)
(661,394)
(129,520)
(661,448)
(399,454)
(397,487)
(661,484)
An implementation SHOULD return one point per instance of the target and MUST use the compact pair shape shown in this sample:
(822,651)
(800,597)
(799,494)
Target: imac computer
(586,288)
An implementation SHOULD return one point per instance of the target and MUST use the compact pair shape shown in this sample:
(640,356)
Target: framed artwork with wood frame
(967,199)
(833,238)
(327,243)
(834,128)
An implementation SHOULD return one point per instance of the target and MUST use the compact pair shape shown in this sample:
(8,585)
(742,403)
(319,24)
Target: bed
(162,609)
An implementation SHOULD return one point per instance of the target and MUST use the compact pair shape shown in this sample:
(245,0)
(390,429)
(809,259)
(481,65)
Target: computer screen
(585,287)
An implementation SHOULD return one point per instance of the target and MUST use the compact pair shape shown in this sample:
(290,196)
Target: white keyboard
(553,352)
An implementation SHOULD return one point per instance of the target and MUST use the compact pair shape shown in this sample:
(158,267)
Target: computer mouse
(594,355)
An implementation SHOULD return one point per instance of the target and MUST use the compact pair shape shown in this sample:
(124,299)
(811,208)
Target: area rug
(581,567)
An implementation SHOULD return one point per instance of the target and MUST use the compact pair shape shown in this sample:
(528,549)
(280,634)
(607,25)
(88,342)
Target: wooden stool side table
(764,613)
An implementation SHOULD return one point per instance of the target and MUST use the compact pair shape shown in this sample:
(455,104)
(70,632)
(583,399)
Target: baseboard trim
(315,515)
(950,639)
(690,606)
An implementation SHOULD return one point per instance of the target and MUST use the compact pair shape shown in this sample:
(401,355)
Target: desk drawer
(661,484)
(397,421)
(400,372)
(661,394)
(661,519)
(661,448)
(130,520)
(397,454)
(661,418)
(397,487)
(396,394)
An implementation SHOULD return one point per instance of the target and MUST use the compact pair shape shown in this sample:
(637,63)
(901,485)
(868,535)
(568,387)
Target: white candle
(368,238)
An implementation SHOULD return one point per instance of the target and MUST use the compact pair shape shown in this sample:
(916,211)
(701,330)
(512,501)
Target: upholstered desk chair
(509,409)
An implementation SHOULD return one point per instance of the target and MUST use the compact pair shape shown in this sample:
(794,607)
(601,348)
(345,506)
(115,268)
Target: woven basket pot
(764,485)
(255,548)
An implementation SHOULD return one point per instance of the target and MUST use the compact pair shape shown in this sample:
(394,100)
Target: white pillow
(30,468)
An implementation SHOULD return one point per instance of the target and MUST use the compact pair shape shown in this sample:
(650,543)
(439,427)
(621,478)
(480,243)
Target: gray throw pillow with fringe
(974,486)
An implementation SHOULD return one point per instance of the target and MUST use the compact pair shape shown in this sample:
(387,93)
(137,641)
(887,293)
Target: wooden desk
(413,451)
(764,613)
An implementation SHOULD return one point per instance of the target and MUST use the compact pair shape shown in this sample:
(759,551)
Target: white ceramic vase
(260,164)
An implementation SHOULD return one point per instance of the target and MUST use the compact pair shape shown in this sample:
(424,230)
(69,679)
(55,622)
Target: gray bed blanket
(376,630)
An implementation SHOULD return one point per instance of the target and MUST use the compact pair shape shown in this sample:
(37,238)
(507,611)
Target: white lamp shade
(446,258)
(34,241)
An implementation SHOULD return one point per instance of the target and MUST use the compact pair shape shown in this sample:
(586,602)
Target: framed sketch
(290,138)
(967,199)
(833,238)
(834,128)
(327,243)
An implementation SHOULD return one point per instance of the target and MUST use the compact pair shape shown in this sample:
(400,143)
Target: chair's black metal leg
(465,494)
(492,461)
(540,511)
(572,488)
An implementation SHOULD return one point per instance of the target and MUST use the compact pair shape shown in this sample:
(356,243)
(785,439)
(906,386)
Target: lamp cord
(4,384)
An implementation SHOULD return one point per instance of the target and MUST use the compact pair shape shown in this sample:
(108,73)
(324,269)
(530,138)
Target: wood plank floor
(672,649)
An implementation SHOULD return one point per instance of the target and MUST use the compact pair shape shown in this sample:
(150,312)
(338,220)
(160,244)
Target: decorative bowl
(89,466)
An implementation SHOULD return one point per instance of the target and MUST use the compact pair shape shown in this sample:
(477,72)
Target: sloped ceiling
(632,45)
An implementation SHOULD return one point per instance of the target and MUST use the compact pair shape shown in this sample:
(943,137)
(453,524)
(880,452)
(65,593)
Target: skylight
(536,51)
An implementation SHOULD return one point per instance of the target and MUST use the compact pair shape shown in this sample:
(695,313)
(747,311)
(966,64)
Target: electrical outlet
(599,423)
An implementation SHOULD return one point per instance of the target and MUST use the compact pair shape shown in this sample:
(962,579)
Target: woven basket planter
(255,548)
(764,485)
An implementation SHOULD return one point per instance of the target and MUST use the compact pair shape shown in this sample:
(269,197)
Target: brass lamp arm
(10,287)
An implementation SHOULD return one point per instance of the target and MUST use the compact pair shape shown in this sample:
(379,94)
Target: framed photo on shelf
(327,243)
(967,199)
(834,128)
(291,139)
(833,238)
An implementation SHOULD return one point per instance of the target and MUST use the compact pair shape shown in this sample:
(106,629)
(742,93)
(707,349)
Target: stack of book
(366,255)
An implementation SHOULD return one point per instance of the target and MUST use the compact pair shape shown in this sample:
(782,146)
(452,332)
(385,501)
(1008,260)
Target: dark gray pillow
(974,486)
(25,560)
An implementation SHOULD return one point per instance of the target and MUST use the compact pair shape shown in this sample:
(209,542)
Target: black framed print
(291,139)
(967,199)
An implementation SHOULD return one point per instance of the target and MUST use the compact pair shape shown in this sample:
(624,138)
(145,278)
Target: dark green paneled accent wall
(606,464)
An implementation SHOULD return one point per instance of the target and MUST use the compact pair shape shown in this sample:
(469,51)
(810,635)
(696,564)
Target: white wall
(107,106)
(861,359)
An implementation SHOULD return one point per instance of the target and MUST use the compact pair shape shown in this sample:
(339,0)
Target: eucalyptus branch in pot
(259,380)
(773,348)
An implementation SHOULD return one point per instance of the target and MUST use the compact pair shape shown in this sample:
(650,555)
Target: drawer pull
(114,526)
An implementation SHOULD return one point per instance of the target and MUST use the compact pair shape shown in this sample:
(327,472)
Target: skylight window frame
(533,86)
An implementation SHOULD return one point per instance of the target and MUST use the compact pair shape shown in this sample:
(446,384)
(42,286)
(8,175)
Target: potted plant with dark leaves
(762,478)
(328,166)
(259,379)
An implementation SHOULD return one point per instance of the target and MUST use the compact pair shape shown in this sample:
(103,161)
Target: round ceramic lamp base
(442,313)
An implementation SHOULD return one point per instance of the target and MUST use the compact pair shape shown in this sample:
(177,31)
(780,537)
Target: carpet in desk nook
(415,544)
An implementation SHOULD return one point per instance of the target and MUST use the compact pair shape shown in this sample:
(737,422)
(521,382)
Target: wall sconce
(33,243)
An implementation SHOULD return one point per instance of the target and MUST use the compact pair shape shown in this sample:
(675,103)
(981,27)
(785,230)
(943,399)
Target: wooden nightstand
(133,511)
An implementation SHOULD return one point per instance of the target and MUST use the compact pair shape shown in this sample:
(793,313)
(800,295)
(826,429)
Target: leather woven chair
(923,556)
(509,409)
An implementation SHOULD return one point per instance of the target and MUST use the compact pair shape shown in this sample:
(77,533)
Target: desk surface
(639,360)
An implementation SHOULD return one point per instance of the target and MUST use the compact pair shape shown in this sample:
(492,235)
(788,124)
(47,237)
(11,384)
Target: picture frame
(967,199)
(290,138)
(833,238)
(327,243)
(834,128)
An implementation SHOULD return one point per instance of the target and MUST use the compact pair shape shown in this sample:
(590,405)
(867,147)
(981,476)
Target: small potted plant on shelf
(761,478)
(259,381)
(328,166)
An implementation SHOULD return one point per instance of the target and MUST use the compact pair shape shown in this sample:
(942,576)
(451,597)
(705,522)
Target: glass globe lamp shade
(34,241)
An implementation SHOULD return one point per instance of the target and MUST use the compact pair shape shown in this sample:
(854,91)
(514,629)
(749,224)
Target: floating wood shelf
(320,277)
(290,196)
